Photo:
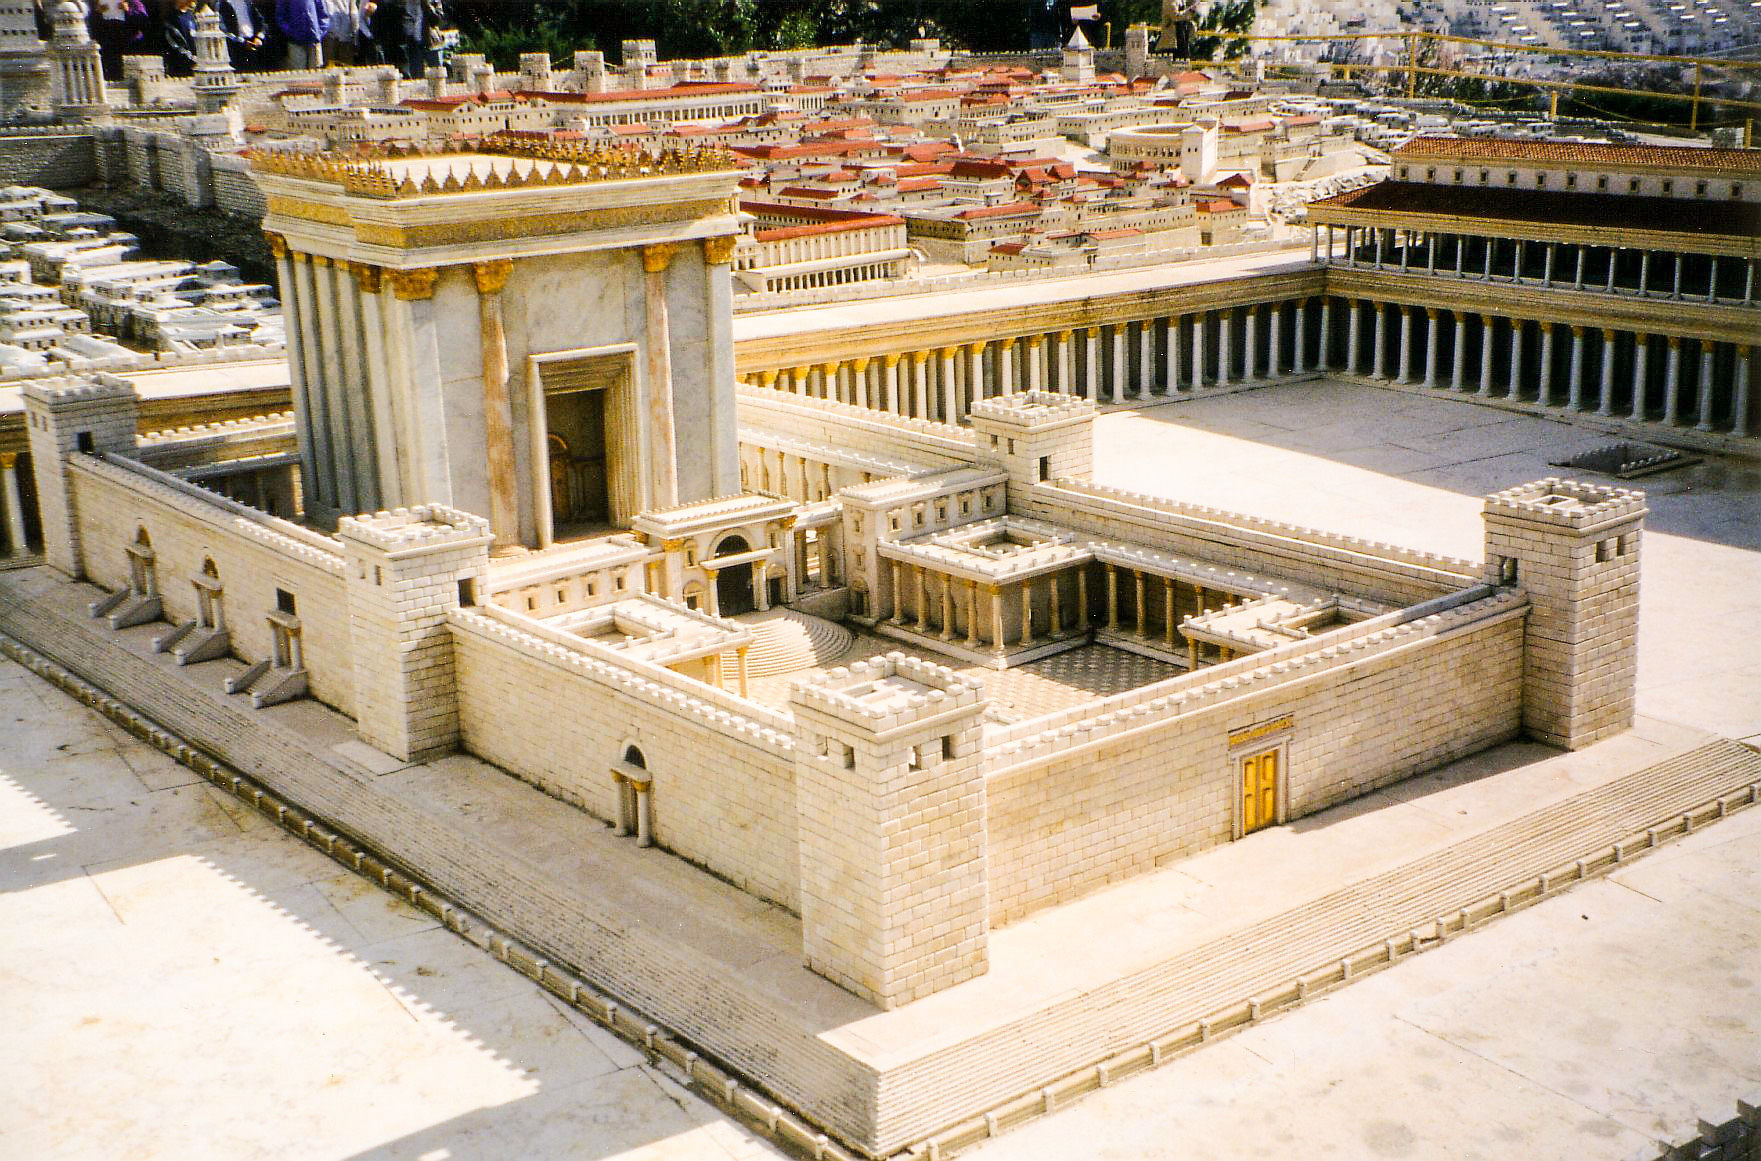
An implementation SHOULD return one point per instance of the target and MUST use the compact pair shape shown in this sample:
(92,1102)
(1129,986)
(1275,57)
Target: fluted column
(498,416)
(1672,381)
(1120,382)
(1739,410)
(1224,344)
(1091,364)
(1514,390)
(1066,348)
(890,376)
(1458,367)
(17,544)
(1544,389)
(1005,366)
(950,385)
(1379,340)
(1171,369)
(1250,342)
(974,375)
(920,384)
(1641,374)
(1036,362)
(1705,402)
(1574,383)
(1352,327)
(1605,404)
(1488,333)
(1404,354)
(1198,350)
(1430,346)
(1146,357)
(863,383)
(1274,340)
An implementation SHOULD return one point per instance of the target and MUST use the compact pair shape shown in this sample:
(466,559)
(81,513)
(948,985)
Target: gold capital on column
(860,365)
(920,356)
(8,461)
(767,379)
(1065,336)
(1431,313)
(1546,327)
(891,360)
(1607,334)
(1093,332)
(277,243)
(1577,332)
(367,277)
(672,545)
(719,251)
(320,260)
(410,285)
(1675,342)
(492,276)
(950,352)
(975,348)
(658,256)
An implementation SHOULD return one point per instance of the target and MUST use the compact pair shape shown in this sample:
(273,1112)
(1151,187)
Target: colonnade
(1112,363)
(1665,274)
(1611,372)
(12,510)
(1135,604)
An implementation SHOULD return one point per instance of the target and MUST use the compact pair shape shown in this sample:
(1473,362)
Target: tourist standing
(120,27)
(247,29)
(345,28)
(180,39)
(303,24)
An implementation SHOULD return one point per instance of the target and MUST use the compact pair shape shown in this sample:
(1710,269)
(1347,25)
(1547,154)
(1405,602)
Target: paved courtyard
(184,981)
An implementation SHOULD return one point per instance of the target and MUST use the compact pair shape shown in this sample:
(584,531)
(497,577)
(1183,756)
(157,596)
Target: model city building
(776,593)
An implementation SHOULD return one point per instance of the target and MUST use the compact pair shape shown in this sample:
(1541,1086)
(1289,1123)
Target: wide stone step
(785,641)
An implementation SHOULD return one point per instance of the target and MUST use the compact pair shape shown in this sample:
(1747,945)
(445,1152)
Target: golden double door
(1259,791)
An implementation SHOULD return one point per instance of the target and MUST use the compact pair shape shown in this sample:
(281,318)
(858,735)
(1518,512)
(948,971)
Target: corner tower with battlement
(534,332)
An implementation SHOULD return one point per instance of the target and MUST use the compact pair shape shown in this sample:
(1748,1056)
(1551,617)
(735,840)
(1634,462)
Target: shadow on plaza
(118,804)
(1462,447)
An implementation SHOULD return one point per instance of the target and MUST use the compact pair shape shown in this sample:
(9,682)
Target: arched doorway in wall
(733,586)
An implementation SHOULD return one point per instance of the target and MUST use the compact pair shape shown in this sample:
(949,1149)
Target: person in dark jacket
(120,27)
(304,24)
(247,32)
(180,39)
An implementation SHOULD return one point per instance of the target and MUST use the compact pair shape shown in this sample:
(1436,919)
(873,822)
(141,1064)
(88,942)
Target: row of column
(1107,364)
(1049,607)
(1674,380)
(1521,262)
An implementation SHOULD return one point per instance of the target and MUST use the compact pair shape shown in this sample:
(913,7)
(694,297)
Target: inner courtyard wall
(1063,826)
(723,788)
(252,558)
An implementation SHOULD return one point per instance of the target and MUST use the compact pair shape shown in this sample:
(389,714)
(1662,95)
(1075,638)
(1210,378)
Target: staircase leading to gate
(785,641)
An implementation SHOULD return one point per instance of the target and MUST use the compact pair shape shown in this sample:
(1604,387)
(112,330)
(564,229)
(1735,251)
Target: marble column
(996,595)
(1299,360)
(1091,364)
(1578,282)
(1644,272)
(950,385)
(1120,381)
(1574,382)
(1112,598)
(1430,346)
(1547,264)
(1142,608)
(1458,368)
(1036,362)
(1379,342)
(17,544)
(1641,373)
(1405,352)
(974,375)
(1224,353)
(1739,410)
(1544,387)
(1274,340)
(1066,349)
(664,454)
(920,384)
(1515,388)
(1250,342)
(498,416)
(1672,381)
(1351,337)
(898,617)
(1324,342)
(1005,366)
(1488,335)
(1026,613)
(864,385)
(1198,350)
(1704,406)
(1168,611)
(1171,368)
(1146,358)
(890,379)
(1605,403)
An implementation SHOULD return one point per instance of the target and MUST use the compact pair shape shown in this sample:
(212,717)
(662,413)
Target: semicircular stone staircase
(785,641)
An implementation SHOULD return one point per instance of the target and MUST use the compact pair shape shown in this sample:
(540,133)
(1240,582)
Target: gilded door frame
(1237,759)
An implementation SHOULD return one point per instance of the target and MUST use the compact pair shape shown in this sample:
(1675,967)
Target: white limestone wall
(1082,814)
(723,784)
(254,558)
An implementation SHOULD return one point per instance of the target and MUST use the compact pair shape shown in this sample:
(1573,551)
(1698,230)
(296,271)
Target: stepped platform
(787,641)
(1203,946)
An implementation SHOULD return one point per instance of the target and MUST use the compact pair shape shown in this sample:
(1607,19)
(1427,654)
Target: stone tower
(66,417)
(1573,550)
(24,68)
(78,72)
(535,74)
(215,83)
(469,329)
(1035,436)
(895,895)
(1079,59)
(1137,51)
(589,74)
(404,571)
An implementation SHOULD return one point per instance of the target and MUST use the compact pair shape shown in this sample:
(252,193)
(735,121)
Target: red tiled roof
(1013,209)
(1556,207)
(1682,158)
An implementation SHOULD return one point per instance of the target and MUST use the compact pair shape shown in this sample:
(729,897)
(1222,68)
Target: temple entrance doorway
(585,439)
(1259,791)
(733,586)
(575,440)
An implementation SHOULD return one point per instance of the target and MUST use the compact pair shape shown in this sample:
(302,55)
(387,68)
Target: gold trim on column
(368,278)
(277,243)
(415,283)
(8,461)
(491,277)
(719,251)
(891,360)
(321,260)
(677,545)
(657,256)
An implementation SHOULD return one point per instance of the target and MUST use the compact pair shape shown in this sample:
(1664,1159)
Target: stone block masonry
(55,160)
